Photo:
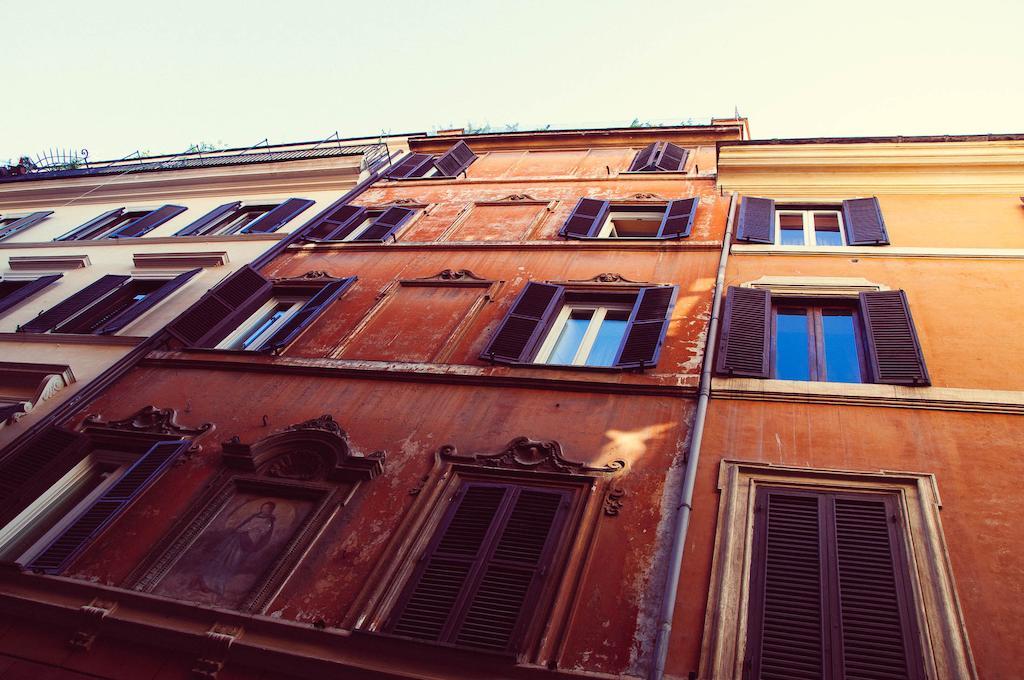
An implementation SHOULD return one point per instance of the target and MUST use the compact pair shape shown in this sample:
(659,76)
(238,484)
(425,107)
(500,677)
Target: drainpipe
(684,505)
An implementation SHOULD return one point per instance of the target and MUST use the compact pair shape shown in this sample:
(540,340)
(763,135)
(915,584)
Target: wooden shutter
(306,314)
(671,158)
(678,220)
(862,218)
(24,223)
(148,222)
(80,232)
(220,311)
(412,165)
(336,224)
(209,219)
(648,323)
(146,304)
(644,158)
(520,330)
(63,311)
(25,292)
(586,218)
(746,329)
(455,160)
(276,217)
(387,224)
(55,557)
(52,446)
(893,347)
(757,220)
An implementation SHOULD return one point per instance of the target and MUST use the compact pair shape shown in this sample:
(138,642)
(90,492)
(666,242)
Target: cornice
(846,252)
(584,138)
(607,244)
(641,177)
(133,243)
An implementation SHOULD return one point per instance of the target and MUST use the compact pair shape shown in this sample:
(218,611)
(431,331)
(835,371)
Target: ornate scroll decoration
(148,420)
(215,646)
(613,500)
(519,197)
(647,197)
(523,453)
(303,465)
(607,277)
(326,423)
(316,275)
(404,201)
(90,617)
(450,275)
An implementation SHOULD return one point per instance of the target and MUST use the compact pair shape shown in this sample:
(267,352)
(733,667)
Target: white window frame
(363,226)
(589,336)
(221,229)
(250,323)
(810,240)
(608,227)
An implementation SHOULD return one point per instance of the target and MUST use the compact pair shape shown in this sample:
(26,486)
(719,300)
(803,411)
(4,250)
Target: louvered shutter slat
(757,220)
(455,160)
(336,224)
(387,224)
(743,348)
(27,291)
(18,470)
(519,331)
(307,314)
(672,158)
(276,217)
(893,346)
(24,223)
(678,220)
(142,306)
(148,222)
(647,326)
(63,311)
(90,225)
(209,218)
(586,218)
(412,165)
(222,309)
(644,158)
(862,218)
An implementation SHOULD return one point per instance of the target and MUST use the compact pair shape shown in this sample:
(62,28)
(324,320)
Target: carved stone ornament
(404,201)
(647,197)
(215,646)
(523,453)
(90,617)
(613,500)
(325,422)
(316,275)
(303,465)
(148,420)
(453,275)
(519,197)
(607,277)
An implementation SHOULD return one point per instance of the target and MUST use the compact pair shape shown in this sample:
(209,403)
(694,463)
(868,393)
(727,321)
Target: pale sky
(116,76)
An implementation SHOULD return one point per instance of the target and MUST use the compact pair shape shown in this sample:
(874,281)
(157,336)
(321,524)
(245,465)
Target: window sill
(73,338)
(134,242)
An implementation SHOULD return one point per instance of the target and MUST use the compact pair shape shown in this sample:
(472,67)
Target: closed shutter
(757,220)
(586,218)
(864,224)
(894,350)
(146,304)
(644,158)
(412,165)
(83,230)
(25,292)
(63,311)
(20,469)
(455,160)
(24,223)
(275,218)
(520,330)
(678,220)
(306,314)
(209,219)
(746,333)
(387,224)
(336,223)
(672,158)
(648,323)
(148,222)
(55,557)
(218,312)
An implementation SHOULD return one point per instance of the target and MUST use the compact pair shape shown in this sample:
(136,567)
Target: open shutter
(148,222)
(455,160)
(209,218)
(306,314)
(672,158)
(26,291)
(586,218)
(218,312)
(893,347)
(336,224)
(63,311)
(387,224)
(646,328)
(146,304)
(746,328)
(55,557)
(52,445)
(520,329)
(644,158)
(864,224)
(678,220)
(412,165)
(24,223)
(757,220)
(80,232)
(274,218)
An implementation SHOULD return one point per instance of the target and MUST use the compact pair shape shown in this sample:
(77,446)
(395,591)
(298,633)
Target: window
(257,217)
(12,224)
(660,157)
(122,223)
(585,335)
(422,165)
(235,221)
(14,292)
(593,218)
(255,331)
(855,222)
(809,226)
(817,342)
(354,223)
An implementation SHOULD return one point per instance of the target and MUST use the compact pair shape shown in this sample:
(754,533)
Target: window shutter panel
(648,323)
(387,224)
(455,160)
(17,471)
(746,328)
(678,220)
(864,224)
(672,158)
(75,234)
(63,311)
(209,218)
(412,165)
(148,222)
(586,218)
(26,291)
(24,223)
(520,329)
(275,218)
(55,557)
(147,303)
(205,323)
(893,348)
(336,224)
(757,220)
(306,314)
(644,159)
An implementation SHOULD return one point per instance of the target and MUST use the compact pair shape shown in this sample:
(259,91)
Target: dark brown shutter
(276,217)
(148,222)
(146,304)
(757,220)
(336,224)
(210,219)
(55,557)
(893,347)
(25,292)
(63,311)
(220,311)
(306,314)
(864,224)
(387,224)
(648,323)
(455,160)
(24,223)
(644,158)
(521,328)
(586,218)
(53,445)
(82,231)
(672,158)
(678,220)
(412,165)
(746,327)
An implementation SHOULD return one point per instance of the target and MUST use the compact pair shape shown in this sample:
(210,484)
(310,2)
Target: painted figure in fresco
(230,552)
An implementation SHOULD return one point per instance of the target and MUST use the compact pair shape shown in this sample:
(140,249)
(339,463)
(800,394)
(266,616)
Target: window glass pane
(841,362)
(261,325)
(569,339)
(827,238)
(826,229)
(609,337)
(792,361)
(791,237)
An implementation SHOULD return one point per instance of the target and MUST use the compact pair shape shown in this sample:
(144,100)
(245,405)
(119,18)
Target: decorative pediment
(404,201)
(607,277)
(523,453)
(449,276)
(643,196)
(317,275)
(148,420)
(520,197)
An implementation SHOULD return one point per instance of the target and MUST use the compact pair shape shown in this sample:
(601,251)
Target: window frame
(99,310)
(553,332)
(807,215)
(250,323)
(816,350)
(220,226)
(608,226)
